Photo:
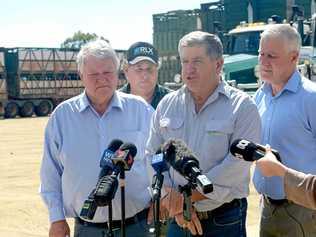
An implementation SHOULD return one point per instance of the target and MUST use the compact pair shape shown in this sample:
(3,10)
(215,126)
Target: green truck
(241,60)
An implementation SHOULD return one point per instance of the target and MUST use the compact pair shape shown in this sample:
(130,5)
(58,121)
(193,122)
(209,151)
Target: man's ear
(294,56)
(219,65)
(125,69)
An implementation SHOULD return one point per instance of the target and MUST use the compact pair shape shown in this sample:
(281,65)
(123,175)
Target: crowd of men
(205,113)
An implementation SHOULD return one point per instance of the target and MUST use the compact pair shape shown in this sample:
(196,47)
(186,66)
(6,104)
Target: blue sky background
(35,23)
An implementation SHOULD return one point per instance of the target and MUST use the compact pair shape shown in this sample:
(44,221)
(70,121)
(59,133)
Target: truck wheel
(27,109)
(11,110)
(43,109)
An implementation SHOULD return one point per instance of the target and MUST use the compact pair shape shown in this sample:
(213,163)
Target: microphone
(106,159)
(124,156)
(90,205)
(123,159)
(250,151)
(182,159)
(159,165)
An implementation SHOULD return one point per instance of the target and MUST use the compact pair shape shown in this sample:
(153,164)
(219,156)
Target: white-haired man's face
(277,63)
(100,78)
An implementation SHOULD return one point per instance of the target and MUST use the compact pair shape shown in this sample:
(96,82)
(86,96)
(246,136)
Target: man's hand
(163,213)
(194,225)
(270,166)
(170,205)
(59,229)
(173,202)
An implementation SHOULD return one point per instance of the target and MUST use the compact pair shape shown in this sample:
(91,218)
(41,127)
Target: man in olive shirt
(141,71)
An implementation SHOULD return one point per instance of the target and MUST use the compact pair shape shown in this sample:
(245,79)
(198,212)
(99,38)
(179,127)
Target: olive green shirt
(159,93)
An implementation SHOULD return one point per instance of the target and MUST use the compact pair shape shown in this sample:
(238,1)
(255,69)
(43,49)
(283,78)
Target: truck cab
(241,58)
(241,62)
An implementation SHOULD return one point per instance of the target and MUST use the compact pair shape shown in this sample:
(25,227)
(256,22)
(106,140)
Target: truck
(241,62)
(36,80)
(307,64)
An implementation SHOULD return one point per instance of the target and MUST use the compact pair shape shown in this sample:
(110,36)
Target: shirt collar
(84,102)
(222,88)
(292,84)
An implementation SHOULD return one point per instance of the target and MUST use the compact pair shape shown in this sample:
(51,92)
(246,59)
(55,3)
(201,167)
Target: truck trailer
(36,80)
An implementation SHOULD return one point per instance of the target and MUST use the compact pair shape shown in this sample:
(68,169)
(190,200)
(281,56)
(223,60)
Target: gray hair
(285,32)
(213,45)
(100,49)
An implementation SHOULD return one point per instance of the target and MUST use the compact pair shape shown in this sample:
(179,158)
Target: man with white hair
(208,115)
(78,132)
(286,103)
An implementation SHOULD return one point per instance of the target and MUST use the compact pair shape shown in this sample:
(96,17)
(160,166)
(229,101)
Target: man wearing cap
(141,71)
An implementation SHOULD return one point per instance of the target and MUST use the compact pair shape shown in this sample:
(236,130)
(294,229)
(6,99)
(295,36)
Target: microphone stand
(110,231)
(122,185)
(157,184)
(186,191)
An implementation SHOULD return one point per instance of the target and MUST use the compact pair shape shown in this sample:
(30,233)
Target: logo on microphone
(242,144)
(107,154)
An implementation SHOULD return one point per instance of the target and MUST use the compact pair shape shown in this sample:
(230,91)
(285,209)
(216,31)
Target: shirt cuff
(56,214)
(293,178)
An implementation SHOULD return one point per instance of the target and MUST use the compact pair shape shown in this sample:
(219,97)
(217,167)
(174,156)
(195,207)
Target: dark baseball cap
(140,51)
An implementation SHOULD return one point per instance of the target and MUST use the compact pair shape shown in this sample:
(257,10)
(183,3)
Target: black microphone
(123,159)
(182,159)
(90,205)
(158,162)
(250,151)
(106,160)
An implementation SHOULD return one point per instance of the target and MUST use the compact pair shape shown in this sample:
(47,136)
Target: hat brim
(142,58)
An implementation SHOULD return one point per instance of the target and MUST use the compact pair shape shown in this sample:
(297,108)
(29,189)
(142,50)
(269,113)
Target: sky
(39,23)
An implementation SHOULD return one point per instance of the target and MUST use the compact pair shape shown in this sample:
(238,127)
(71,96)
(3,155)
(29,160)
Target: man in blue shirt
(286,103)
(78,132)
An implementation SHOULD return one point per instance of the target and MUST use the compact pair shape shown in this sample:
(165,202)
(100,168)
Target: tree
(78,39)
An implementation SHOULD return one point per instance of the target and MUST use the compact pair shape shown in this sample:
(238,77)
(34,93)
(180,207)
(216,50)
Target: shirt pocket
(171,127)
(216,139)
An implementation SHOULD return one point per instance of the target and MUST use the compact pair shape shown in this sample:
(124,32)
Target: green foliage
(78,39)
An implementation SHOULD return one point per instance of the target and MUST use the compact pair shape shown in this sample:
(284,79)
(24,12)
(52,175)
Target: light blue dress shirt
(289,126)
(75,138)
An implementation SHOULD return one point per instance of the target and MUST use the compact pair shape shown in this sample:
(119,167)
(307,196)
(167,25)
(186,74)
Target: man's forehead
(272,44)
(193,53)
(92,60)
(145,63)
(99,65)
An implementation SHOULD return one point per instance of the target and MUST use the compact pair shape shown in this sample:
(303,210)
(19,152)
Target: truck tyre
(43,109)
(11,110)
(27,109)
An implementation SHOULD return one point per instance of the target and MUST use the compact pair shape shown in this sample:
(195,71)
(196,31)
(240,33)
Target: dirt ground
(22,212)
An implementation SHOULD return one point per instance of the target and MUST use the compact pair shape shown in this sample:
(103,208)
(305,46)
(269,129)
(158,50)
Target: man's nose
(263,60)
(190,68)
